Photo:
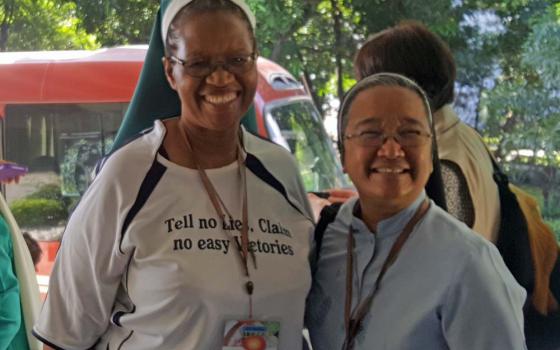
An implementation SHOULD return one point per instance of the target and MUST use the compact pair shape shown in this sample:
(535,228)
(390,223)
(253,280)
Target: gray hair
(380,79)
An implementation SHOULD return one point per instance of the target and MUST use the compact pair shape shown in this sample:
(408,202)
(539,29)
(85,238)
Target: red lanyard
(220,207)
(353,319)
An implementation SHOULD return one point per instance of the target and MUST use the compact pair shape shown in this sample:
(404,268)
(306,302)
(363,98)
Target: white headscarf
(176,5)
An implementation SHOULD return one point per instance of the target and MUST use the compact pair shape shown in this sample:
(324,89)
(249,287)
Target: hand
(9,180)
(336,195)
(340,195)
(317,204)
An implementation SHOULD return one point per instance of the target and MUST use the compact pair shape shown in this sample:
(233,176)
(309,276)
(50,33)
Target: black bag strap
(513,243)
(513,236)
(327,215)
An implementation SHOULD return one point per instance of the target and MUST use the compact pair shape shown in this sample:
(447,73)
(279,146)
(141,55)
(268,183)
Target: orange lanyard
(220,207)
(353,319)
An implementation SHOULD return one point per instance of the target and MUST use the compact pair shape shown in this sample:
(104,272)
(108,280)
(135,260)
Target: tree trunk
(310,87)
(477,111)
(548,189)
(277,49)
(4,29)
(312,91)
(8,8)
(308,12)
(337,17)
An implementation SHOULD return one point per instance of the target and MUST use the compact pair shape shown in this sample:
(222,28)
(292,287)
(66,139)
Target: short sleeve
(483,308)
(10,312)
(87,272)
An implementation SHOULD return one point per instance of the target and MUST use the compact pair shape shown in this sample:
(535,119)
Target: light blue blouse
(448,289)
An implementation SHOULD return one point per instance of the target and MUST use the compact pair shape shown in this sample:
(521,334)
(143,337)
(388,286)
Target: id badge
(251,335)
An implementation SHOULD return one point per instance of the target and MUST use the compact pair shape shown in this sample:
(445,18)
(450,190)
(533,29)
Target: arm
(319,200)
(340,195)
(10,312)
(10,180)
(317,204)
(483,308)
(87,271)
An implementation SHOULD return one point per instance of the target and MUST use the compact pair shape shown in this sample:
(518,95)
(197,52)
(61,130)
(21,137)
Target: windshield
(296,125)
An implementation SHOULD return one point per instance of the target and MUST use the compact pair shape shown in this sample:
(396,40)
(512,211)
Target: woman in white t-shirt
(194,235)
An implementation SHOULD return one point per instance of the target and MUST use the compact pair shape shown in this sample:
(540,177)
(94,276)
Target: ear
(168,69)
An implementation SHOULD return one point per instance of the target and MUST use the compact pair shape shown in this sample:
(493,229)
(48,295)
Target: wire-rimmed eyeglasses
(199,68)
(376,138)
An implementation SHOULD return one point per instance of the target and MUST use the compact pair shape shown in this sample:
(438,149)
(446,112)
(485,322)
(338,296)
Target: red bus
(60,111)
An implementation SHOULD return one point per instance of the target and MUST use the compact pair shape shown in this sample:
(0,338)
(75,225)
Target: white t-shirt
(141,270)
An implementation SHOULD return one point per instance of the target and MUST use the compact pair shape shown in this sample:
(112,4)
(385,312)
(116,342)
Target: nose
(390,149)
(220,76)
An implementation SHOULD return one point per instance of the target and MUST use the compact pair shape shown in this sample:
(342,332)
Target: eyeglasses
(199,68)
(375,138)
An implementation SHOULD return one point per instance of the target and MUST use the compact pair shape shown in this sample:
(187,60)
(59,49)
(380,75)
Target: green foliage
(311,38)
(552,208)
(318,38)
(51,192)
(536,193)
(76,169)
(44,207)
(522,113)
(527,112)
(42,25)
(555,226)
(542,49)
(37,212)
(117,22)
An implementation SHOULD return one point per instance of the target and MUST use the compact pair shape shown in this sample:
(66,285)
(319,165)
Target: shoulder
(130,163)
(474,257)
(452,236)
(277,167)
(275,159)
(139,151)
(120,175)
(270,153)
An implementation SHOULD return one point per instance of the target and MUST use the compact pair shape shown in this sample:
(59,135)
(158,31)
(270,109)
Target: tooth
(390,170)
(220,99)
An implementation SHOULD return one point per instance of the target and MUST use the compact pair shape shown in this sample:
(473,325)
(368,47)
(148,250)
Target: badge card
(251,335)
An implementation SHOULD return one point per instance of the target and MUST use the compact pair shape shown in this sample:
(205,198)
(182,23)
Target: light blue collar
(387,227)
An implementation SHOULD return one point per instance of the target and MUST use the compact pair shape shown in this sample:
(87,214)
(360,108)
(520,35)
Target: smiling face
(390,175)
(219,100)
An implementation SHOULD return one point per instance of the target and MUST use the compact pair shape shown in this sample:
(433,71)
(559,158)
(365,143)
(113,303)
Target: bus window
(60,143)
(296,125)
